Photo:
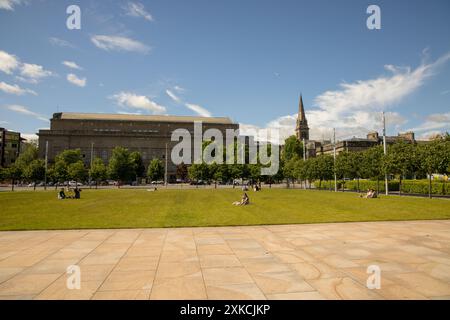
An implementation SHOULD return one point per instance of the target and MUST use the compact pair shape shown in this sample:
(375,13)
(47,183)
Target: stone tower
(302,129)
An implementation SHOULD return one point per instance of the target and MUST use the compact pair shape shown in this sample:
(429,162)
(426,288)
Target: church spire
(301,110)
(302,129)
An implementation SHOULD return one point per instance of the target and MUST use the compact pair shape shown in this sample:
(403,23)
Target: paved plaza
(322,261)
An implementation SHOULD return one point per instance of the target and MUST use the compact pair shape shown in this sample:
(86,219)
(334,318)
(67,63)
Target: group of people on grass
(71,194)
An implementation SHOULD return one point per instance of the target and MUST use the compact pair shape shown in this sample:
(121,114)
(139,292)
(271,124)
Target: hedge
(408,186)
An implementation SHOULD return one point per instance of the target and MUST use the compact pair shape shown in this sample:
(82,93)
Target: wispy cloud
(80,82)
(60,42)
(198,109)
(433,122)
(8,62)
(136,9)
(119,43)
(24,110)
(72,65)
(10,4)
(134,101)
(173,96)
(193,107)
(15,89)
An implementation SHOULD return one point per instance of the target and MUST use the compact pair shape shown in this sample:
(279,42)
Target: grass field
(131,208)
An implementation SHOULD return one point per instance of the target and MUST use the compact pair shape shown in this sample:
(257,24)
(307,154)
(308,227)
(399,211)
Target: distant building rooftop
(134,117)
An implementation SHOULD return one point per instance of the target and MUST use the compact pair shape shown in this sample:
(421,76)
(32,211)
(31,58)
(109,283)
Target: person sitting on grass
(61,194)
(244,201)
(77,193)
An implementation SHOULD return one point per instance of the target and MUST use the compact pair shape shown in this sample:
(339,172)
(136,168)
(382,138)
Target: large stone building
(10,147)
(99,134)
(315,147)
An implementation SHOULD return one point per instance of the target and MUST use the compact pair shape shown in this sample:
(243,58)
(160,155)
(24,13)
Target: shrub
(408,186)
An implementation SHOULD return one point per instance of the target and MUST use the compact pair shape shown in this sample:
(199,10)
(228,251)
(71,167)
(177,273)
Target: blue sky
(248,60)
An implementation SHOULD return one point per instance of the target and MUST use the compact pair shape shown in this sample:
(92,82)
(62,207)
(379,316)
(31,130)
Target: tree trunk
(378,185)
(357,184)
(400,186)
(34,186)
(12,185)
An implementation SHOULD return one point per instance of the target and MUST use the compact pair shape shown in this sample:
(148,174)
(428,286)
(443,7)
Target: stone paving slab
(317,261)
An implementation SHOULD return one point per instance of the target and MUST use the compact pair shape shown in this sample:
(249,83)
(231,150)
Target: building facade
(10,147)
(99,134)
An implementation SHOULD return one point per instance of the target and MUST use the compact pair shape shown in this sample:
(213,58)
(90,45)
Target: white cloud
(9,4)
(136,9)
(25,111)
(72,78)
(173,96)
(60,42)
(433,123)
(8,62)
(131,100)
(72,65)
(119,43)
(33,73)
(198,109)
(355,109)
(30,136)
(15,89)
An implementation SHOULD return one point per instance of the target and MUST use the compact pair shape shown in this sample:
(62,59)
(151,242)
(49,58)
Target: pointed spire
(301,110)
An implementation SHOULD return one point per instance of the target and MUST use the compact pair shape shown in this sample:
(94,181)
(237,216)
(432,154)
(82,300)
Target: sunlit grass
(129,208)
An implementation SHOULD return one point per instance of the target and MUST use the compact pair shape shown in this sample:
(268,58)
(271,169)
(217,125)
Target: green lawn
(128,208)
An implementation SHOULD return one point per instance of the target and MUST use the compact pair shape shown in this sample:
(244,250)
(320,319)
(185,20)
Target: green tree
(35,171)
(292,148)
(121,167)
(324,168)
(289,170)
(27,156)
(155,170)
(182,172)
(13,173)
(372,164)
(77,172)
(139,167)
(400,160)
(434,158)
(62,162)
(98,171)
(198,172)
(344,167)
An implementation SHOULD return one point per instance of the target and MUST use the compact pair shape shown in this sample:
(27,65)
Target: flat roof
(137,117)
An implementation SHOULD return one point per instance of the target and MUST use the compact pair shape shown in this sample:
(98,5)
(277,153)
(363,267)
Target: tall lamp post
(386,185)
(46,165)
(334,159)
(165,169)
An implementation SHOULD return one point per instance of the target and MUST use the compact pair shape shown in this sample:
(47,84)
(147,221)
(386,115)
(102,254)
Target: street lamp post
(334,159)
(165,170)
(386,185)
(46,165)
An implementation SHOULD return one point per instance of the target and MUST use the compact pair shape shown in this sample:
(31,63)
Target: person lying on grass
(244,201)
(371,194)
